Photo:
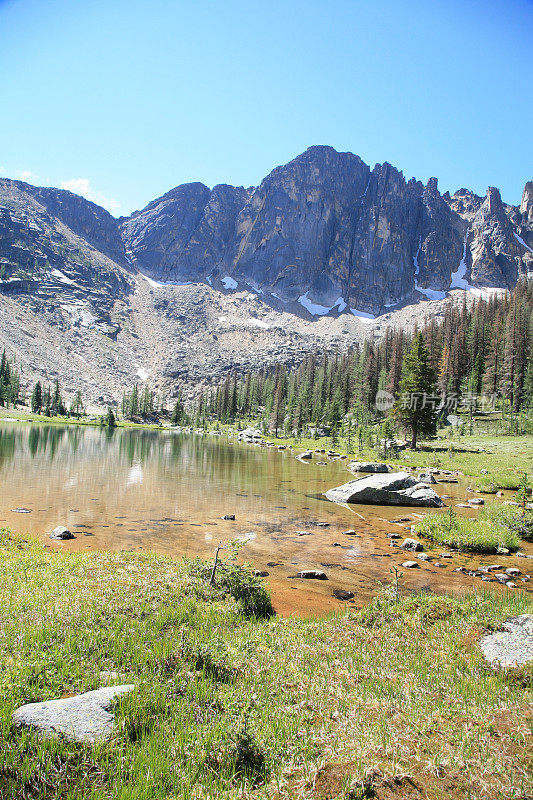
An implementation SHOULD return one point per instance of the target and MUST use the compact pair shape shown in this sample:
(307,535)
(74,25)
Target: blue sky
(122,100)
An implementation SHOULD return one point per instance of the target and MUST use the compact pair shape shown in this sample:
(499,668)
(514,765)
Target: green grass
(227,705)
(462,533)
(517,520)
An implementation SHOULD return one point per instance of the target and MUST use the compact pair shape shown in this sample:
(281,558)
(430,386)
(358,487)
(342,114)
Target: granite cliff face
(205,281)
(327,231)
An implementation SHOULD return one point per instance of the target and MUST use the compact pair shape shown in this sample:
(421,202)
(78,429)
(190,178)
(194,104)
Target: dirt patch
(339,782)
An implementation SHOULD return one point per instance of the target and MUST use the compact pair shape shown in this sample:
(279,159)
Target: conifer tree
(414,410)
(37,398)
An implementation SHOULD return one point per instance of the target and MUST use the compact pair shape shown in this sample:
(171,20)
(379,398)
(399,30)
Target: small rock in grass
(82,718)
(393,536)
(438,564)
(502,551)
(261,573)
(303,533)
(350,533)
(476,501)
(423,557)
(492,567)
(21,511)
(312,574)
(462,505)
(410,564)
(510,585)
(228,516)
(445,555)
(511,646)
(61,533)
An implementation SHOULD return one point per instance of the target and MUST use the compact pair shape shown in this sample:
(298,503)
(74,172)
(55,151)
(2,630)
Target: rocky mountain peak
(493,201)
(526,206)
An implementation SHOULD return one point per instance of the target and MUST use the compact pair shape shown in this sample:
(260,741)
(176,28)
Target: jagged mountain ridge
(258,275)
(327,227)
(324,229)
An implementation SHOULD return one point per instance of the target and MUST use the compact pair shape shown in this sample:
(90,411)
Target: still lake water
(166,492)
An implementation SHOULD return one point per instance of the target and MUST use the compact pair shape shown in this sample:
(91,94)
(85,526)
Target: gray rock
(426,477)
(61,533)
(306,455)
(423,557)
(412,544)
(501,577)
(312,574)
(410,564)
(476,501)
(228,517)
(512,645)
(367,466)
(84,718)
(342,594)
(394,489)
(512,571)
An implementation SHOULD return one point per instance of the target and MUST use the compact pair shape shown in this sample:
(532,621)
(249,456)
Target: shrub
(461,533)
(247,589)
(239,582)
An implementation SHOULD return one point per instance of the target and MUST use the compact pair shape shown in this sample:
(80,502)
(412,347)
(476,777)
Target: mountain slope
(203,281)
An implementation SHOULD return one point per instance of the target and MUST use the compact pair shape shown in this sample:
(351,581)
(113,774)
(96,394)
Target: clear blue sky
(124,99)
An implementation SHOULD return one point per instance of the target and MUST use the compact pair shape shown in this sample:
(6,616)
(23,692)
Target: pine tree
(37,398)
(76,407)
(415,407)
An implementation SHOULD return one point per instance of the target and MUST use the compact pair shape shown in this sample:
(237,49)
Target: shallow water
(166,492)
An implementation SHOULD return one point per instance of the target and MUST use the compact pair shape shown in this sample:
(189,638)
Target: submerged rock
(412,544)
(394,489)
(84,718)
(312,574)
(342,594)
(61,533)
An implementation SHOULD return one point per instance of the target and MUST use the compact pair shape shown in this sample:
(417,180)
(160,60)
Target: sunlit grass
(462,533)
(227,706)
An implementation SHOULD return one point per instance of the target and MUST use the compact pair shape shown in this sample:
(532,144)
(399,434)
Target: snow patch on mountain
(519,239)
(320,311)
(159,284)
(229,283)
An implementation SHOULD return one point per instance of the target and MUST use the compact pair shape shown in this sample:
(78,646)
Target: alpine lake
(166,491)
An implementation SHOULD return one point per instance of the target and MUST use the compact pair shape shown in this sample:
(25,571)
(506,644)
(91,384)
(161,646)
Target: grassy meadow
(230,702)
